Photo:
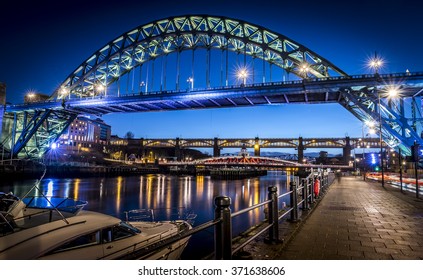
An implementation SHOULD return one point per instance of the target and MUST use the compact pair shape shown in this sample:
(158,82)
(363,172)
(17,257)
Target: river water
(115,195)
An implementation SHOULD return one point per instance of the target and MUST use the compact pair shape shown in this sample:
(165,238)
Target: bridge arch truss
(160,38)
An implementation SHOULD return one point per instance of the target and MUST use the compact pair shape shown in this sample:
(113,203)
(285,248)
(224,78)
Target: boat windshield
(129,227)
(64,204)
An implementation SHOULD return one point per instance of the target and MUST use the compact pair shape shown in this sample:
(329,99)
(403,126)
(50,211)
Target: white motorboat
(59,229)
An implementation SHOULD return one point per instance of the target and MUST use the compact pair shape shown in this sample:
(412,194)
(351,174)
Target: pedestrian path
(359,219)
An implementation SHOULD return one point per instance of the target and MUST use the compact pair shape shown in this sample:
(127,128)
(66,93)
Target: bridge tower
(300,149)
(257,147)
(346,155)
(216,148)
(2,104)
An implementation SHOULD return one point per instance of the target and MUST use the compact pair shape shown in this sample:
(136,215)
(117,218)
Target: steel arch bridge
(123,76)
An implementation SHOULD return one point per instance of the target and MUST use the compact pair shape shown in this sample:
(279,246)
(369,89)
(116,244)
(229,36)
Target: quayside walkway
(356,219)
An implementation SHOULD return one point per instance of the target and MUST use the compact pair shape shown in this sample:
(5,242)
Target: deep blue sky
(42,42)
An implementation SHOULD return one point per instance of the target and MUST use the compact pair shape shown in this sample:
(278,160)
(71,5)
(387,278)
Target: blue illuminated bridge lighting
(201,61)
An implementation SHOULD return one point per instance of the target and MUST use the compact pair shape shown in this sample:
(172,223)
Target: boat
(52,228)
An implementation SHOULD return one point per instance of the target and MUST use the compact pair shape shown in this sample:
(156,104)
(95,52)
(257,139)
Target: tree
(129,135)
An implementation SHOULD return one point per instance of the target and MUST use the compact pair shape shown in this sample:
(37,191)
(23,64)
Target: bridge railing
(300,188)
(301,197)
(363,77)
(278,83)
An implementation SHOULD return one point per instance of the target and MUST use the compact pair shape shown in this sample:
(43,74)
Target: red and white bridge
(249,161)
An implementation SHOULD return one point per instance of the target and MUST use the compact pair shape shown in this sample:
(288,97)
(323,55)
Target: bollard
(273,214)
(223,230)
(305,194)
(294,199)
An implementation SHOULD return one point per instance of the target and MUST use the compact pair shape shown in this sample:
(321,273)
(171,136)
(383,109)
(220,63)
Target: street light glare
(393,91)
(100,88)
(370,124)
(304,68)
(242,74)
(376,63)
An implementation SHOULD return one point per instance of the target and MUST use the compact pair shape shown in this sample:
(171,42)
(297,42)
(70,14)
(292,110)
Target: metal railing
(303,188)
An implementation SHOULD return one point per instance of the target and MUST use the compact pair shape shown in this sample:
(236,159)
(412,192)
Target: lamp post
(190,81)
(363,143)
(304,69)
(242,75)
(381,140)
(99,88)
(376,63)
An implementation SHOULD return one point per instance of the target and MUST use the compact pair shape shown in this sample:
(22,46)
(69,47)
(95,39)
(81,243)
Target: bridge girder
(372,104)
(34,131)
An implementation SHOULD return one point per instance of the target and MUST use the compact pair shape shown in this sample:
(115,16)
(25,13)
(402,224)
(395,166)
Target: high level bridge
(199,62)
(300,144)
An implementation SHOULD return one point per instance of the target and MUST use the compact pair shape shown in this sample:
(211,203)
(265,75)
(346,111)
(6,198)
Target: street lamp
(370,126)
(99,88)
(190,80)
(142,85)
(242,74)
(305,68)
(375,64)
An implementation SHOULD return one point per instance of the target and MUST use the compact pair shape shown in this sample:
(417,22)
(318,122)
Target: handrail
(250,208)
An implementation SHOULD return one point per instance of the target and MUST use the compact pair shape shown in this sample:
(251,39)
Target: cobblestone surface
(355,220)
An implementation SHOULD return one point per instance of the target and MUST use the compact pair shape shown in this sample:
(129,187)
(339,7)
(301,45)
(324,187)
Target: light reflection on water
(115,195)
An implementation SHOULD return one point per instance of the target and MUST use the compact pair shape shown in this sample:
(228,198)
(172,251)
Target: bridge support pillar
(347,151)
(2,104)
(216,148)
(300,149)
(257,147)
(178,150)
(142,150)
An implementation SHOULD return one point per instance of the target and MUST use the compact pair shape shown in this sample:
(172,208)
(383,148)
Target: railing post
(294,201)
(273,214)
(304,194)
(311,186)
(223,230)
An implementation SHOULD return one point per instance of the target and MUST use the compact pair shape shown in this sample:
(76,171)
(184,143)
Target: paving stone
(373,244)
(385,241)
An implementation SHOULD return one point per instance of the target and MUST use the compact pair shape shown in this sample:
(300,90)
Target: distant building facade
(85,133)
(35,97)
(2,104)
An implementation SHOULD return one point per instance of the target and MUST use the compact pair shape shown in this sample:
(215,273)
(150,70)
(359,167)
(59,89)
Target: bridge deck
(313,91)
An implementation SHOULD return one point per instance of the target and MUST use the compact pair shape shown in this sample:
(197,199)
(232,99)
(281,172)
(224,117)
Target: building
(84,134)
(34,97)
(2,104)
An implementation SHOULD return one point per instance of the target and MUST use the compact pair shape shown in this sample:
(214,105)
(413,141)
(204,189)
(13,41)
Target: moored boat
(59,228)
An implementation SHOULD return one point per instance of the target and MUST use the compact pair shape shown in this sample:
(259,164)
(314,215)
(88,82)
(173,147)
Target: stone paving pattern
(355,220)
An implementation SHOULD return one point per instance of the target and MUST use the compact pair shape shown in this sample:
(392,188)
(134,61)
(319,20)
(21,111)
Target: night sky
(42,42)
